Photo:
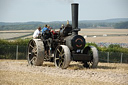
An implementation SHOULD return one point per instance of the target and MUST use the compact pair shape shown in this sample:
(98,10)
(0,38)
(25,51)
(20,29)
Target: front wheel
(93,53)
(62,57)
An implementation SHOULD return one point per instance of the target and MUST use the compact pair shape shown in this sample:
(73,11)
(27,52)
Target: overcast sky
(60,10)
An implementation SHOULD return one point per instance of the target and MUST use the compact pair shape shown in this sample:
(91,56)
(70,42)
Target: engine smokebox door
(78,42)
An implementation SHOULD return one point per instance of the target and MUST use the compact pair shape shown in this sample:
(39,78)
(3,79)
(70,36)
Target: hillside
(115,20)
(57,24)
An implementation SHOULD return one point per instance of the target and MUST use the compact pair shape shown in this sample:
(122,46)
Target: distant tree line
(57,24)
(53,25)
(122,25)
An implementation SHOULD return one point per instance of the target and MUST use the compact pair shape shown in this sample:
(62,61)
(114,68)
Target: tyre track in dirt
(116,76)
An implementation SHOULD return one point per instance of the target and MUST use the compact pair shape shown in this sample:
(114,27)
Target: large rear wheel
(62,57)
(93,53)
(35,52)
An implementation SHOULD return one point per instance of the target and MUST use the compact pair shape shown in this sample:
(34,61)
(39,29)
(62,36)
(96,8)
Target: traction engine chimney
(75,18)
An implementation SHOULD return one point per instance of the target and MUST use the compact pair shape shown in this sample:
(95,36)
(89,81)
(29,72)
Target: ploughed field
(105,35)
(15,34)
(92,35)
(18,72)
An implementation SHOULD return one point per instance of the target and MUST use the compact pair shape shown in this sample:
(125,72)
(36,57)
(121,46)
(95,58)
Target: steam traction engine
(64,46)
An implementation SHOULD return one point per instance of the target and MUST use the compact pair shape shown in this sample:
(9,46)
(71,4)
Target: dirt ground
(17,72)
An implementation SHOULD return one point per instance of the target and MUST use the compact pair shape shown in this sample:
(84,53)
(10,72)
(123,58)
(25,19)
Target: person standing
(37,33)
(45,37)
(44,29)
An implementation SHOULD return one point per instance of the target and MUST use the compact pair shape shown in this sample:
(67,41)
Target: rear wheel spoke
(33,60)
(35,54)
(31,46)
(35,50)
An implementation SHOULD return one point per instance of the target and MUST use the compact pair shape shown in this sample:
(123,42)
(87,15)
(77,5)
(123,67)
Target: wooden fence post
(17,52)
(121,57)
(108,57)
